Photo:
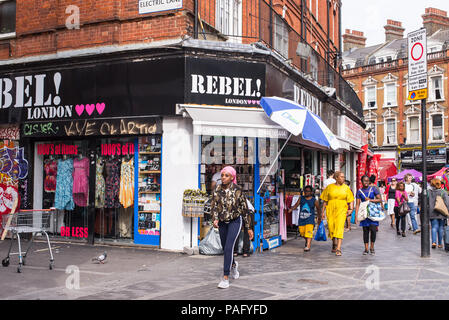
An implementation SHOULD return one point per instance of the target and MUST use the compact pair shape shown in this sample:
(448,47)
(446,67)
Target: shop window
(67,178)
(280,36)
(437,127)
(7,17)
(413,123)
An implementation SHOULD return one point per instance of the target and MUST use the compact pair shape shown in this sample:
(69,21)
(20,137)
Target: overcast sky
(370,16)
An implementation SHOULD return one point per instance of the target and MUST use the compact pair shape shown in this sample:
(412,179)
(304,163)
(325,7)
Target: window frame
(374,133)
(386,120)
(282,26)
(409,132)
(394,103)
(367,88)
(6,35)
(431,127)
(433,89)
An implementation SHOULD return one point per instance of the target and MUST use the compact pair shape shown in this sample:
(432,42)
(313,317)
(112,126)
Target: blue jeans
(413,209)
(437,228)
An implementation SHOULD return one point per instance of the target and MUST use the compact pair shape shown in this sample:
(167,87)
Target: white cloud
(370,16)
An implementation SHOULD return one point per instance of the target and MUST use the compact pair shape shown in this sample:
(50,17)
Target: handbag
(353,217)
(362,214)
(404,208)
(440,206)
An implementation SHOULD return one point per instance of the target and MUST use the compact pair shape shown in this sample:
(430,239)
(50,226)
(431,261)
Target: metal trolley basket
(27,221)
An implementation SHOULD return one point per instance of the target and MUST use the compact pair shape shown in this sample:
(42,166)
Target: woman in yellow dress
(338,204)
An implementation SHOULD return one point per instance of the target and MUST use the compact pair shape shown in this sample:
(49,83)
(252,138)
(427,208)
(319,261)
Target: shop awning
(387,169)
(232,121)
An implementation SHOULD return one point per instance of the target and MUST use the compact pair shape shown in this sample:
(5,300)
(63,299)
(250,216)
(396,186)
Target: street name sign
(417,64)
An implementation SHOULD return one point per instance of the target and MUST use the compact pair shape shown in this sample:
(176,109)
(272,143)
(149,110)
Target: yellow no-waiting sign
(417,95)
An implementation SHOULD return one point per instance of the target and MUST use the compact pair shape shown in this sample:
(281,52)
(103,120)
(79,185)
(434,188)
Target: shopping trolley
(27,221)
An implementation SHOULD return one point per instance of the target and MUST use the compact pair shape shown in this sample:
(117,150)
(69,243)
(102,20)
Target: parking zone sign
(417,64)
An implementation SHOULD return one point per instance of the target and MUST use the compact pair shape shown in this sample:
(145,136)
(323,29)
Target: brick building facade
(379,75)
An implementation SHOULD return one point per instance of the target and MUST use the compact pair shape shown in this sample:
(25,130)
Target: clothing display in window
(111,199)
(64,185)
(81,181)
(99,184)
(125,221)
(127,183)
(51,170)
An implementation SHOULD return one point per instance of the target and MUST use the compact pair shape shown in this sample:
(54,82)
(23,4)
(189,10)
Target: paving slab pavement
(396,272)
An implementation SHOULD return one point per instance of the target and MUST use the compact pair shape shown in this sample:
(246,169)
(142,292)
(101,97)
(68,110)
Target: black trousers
(399,219)
(366,233)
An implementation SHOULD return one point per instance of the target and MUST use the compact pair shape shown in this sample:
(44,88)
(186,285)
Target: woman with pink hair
(229,210)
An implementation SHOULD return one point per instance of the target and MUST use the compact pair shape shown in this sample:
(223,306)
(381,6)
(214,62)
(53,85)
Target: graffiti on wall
(13,165)
(10,133)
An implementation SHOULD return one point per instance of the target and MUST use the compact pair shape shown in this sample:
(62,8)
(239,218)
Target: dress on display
(111,199)
(99,184)
(64,185)
(51,170)
(127,183)
(81,181)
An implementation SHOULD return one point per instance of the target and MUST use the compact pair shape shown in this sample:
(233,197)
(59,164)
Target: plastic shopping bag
(211,244)
(321,233)
(353,217)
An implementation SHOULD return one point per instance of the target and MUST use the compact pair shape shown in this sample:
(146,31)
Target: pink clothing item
(80,181)
(282,221)
(232,172)
(399,194)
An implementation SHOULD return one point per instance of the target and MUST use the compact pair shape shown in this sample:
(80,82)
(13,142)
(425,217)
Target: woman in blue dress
(369,226)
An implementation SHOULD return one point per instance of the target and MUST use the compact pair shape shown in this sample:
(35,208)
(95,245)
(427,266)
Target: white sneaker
(234,270)
(223,284)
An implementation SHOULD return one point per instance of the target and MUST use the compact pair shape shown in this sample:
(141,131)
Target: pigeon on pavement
(101,258)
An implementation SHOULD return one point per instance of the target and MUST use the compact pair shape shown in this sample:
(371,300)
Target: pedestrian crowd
(400,200)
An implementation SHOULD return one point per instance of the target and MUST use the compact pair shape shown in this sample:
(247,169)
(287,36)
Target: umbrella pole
(272,165)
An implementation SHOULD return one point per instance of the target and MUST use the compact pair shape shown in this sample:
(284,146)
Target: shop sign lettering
(109,127)
(117,149)
(56,149)
(13,163)
(76,232)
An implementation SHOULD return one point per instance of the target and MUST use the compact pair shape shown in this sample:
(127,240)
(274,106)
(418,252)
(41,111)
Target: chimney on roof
(435,19)
(353,39)
(393,30)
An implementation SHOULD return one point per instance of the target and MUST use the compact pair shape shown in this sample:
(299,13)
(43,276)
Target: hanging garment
(64,185)
(81,182)
(127,183)
(282,218)
(295,213)
(99,184)
(51,170)
(112,189)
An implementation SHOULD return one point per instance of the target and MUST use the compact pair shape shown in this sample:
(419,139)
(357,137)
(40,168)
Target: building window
(371,97)
(372,125)
(391,131)
(437,127)
(390,94)
(7,17)
(229,17)
(437,88)
(413,126)
(280,36)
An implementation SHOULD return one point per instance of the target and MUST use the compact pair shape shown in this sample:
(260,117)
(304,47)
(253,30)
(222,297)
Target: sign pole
(425,231)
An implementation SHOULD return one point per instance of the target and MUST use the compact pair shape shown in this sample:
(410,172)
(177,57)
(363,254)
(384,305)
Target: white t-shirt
(413,187)
(217,177)
(328,181)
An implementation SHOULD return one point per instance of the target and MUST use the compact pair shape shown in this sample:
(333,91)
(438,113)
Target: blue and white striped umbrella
(299,120)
